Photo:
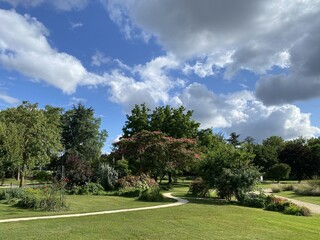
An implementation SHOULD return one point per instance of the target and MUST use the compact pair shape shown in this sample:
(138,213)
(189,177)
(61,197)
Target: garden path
(179,202)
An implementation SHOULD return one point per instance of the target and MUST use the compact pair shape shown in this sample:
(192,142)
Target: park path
(179,202)
(314,208)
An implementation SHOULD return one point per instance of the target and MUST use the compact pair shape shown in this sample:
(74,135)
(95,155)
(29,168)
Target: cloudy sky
(247,66)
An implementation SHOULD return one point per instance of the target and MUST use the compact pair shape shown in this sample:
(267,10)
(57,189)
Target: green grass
(8,181)
(293,195)
(195,220)
(79,204)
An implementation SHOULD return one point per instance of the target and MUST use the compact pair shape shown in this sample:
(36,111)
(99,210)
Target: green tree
(229,170)
(81,136)
(234,139)
(207,140)
(137,121)
(297,155)
(175,122)
(279,171)
(37,135)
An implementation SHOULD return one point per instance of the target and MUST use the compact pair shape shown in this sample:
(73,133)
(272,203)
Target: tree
(207,140)
(279,171)
(229,170)
(137,121)
(81,136)
(156,154)
(234,139)
(37,138)
(175,122)
(297,155)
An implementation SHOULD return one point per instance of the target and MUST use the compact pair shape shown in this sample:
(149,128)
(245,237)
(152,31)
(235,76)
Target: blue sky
(246,66)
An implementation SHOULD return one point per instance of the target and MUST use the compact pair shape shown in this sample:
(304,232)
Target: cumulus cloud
(243,113)
(235,35)
(24,48)
(63,5)
(148,83)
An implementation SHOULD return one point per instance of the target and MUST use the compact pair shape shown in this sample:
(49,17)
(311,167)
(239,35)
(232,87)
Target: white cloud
(99,59)
(76,25)
(24,48)
(63,5)
(244,34)
(241,112)
(8,99)
(146,83)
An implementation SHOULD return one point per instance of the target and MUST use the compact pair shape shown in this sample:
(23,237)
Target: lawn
(195,220)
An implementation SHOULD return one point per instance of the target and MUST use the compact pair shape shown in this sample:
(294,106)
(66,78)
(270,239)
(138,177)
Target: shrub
(275,188)
(151,195)
(254,200)
(108,177)
(282,205)
(129,192)
(42,176)
(307,190)
(141,182)
(46,198)
(293,209)
(198,188)
(92,189)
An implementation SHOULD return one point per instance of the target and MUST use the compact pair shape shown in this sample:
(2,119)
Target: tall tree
(137,121)
(234,139)
(81,136)
(156,154)
(38,138)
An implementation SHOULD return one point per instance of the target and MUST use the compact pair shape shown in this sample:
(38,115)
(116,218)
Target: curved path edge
(179,202)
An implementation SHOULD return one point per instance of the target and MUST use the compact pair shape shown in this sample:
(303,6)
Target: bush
(92,189)
(307,190)
(108,177)
(151,195)
(275,188)
(141,182)
(198,188)
(254,200)
(46,198)
(42,176)
(129,192)
(282,205)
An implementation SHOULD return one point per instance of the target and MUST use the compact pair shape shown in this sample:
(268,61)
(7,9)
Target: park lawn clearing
(195,220)
(80,204)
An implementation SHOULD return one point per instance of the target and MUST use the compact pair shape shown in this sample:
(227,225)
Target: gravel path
(179,202)
(314,208)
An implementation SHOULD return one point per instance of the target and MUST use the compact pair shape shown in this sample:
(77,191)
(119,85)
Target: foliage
(122,168)
(279,171)
(298,156)
(155,154)
(87,189)
(46,198)
(35,136)
(307,190)
(141,182)
(151,195)
(108,177)
(229,171)
(207,140)
(77,172)
(42,176)
(234,139)
(281,205)
(174,122)
(198,188)
(80,134)
(254,200)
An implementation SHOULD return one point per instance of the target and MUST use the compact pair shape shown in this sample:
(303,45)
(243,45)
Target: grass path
(179,202)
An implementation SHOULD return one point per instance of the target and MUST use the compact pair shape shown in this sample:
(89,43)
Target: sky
(246,66)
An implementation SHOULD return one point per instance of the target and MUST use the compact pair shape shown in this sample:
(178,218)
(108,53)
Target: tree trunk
(18,174)
(2,177)
(23,172)
(169,177)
